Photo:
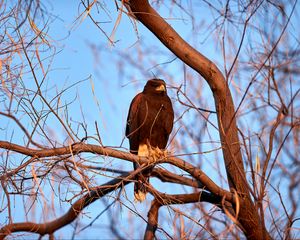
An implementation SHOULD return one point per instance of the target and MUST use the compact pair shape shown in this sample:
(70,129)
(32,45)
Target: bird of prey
(149,124)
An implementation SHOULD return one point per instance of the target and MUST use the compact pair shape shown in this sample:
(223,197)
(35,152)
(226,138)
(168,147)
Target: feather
(149,123)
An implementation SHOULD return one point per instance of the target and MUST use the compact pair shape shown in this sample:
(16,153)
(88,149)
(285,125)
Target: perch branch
(80,147)
(74,211)
(248,216)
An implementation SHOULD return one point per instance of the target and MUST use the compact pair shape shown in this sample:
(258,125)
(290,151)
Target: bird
(148,127)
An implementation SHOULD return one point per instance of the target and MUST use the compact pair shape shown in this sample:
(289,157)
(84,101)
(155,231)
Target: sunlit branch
(74,211)
(77,148)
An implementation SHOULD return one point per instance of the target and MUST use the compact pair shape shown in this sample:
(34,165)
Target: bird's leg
(152,155)
(156,153)
(143,150)
(160,153)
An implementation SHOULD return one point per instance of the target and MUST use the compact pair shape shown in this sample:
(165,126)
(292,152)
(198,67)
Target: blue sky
(84,56)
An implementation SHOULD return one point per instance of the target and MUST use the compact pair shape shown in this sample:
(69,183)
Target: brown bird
(149,124)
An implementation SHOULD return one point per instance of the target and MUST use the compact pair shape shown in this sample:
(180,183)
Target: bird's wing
(170,116)
(132,119)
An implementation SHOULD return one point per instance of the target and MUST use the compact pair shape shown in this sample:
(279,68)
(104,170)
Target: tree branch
(248,216)
(96,193)
(74,211)
(80,147)
(162,199)
(167,176)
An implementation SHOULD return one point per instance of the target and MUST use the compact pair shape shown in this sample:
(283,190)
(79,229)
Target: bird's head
(155,86)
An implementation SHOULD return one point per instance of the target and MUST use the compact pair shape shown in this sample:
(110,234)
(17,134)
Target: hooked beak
(160,88)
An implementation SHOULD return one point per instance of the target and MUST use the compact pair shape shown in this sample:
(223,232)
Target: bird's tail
(140,189)
(141,179)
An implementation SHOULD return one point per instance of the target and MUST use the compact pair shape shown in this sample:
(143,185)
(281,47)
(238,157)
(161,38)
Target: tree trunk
(248,216)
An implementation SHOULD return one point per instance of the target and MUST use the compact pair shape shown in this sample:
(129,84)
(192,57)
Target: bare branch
(224,108)
(77,148)
(74,211)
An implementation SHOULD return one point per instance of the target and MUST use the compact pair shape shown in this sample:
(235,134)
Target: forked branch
(74,211)
(200,179)
(253,226)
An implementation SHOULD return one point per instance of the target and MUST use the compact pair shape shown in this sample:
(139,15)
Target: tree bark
(80,147)
(74,211)
(248,216)
(218,196)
